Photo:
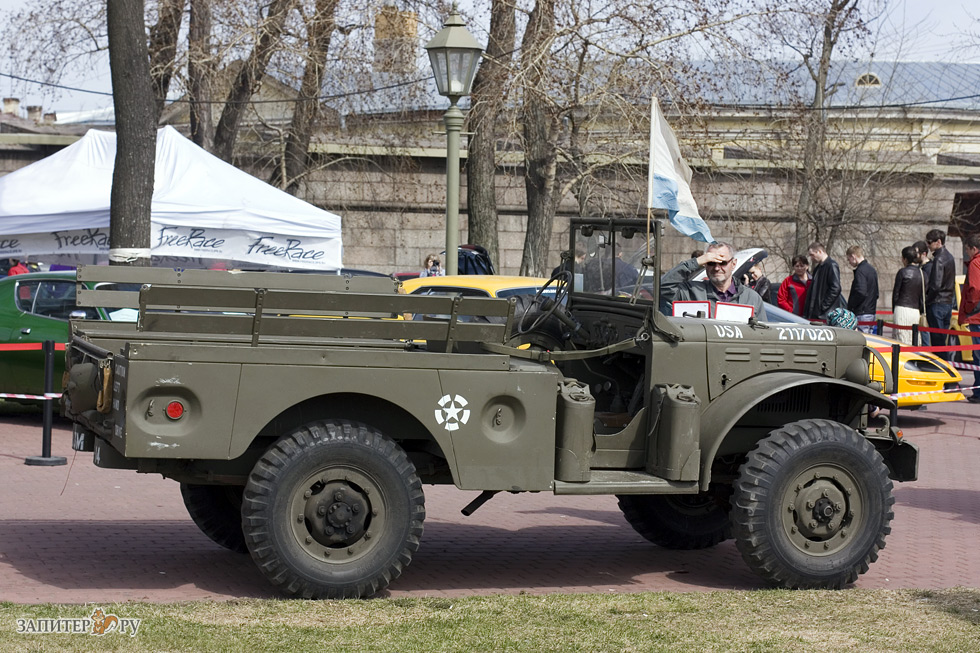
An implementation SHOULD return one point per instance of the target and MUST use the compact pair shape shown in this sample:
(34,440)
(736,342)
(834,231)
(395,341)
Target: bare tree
(200,73)
(295,157)
(163,48)
(249,77)
(132,177)
(813,31)
(540,118)
(487,103)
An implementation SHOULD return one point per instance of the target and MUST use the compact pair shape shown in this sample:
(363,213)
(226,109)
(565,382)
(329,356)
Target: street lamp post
(454,55)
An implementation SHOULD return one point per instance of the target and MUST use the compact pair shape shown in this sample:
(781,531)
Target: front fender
(725,412)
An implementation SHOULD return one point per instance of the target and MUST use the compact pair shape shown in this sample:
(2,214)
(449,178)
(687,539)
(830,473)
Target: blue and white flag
(669,179)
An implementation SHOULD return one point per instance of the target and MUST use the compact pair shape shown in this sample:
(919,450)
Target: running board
(607,481)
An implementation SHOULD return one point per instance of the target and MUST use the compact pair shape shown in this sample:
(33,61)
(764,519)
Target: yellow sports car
(920,372)
(474,285)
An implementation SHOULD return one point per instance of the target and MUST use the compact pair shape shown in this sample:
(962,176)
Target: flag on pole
(669,179)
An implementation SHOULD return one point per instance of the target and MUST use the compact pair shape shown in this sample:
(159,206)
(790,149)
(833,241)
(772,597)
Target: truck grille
(794,400)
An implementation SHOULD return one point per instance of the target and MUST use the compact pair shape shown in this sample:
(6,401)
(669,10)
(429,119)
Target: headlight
(924,365)
(858,372)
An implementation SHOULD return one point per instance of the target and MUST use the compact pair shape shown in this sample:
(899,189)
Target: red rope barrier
(933,349)
(922,329)
(30,346)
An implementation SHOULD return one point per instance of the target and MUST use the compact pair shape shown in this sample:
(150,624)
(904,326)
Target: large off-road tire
(333,510)
(217,511)
(812,506)
(682,521)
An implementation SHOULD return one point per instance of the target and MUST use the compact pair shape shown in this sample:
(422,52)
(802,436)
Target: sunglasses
(720,264)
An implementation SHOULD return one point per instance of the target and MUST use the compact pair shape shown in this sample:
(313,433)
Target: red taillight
(175,410)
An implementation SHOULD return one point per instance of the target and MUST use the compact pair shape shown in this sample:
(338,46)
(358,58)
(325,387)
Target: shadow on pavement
(964,504)
(165,555)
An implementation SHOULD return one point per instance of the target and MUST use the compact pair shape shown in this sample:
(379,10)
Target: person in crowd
(719,261)
(970,305)
(940,288)
(432,267)
(626,274)
(925,264)
(566,264)
(602,271)
(791,295)
(18,267)
(863,298)
(696,253)
(757,281)
(907,294)
(824,293)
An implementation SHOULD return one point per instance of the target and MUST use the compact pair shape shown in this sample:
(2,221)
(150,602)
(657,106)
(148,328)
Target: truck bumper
(901,458)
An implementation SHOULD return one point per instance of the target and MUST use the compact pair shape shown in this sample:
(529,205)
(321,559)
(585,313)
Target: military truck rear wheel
(217,511)
(812,505)
(682,521)
(333,510)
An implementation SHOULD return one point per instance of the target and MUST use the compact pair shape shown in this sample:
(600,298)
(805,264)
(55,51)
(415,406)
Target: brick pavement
(116,535)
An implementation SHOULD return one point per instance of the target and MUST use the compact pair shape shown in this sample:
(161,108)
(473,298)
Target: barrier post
(46,459)
(880,327)
(915,335)
(896,350)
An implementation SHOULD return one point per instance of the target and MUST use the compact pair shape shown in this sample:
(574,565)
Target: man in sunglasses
(719,264)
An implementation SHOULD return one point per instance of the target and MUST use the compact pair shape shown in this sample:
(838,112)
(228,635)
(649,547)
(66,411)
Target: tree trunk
(486,103)
(249,78)
(200,74)
(132,176)
(810,225)
(163,49)
(296,156)
(540,134)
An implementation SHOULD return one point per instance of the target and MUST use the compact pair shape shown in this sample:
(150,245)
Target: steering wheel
(563,284)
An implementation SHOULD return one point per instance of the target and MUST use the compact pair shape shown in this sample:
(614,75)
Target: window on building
(868,79)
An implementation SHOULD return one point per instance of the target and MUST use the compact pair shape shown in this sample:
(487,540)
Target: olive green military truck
(302,415)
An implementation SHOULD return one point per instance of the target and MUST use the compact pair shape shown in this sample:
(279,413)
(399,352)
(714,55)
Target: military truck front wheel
(217,511)
(812,506)
(695,521)
(333,510)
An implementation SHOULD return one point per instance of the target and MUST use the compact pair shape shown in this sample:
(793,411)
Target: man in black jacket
(940,294)
(825,290)
(863,300)
(925,265)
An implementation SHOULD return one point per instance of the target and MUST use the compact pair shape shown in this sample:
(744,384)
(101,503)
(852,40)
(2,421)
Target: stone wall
(394,217)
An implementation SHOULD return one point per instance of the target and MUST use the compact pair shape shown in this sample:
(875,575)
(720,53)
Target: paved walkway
(116,535)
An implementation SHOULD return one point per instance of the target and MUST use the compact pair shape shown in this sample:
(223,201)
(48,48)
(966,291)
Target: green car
(33,308)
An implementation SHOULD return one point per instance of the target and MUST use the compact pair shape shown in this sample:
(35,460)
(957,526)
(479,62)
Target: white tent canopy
(57,210)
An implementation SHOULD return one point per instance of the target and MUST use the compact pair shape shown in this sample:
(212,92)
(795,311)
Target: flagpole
(653,123)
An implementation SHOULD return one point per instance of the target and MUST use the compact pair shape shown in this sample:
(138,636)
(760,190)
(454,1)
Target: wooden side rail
(107,277)
(272,313)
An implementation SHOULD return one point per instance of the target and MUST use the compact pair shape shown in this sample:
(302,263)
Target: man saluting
(719,264)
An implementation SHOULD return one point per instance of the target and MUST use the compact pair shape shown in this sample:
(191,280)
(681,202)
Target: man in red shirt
(17,268)
(792,291)
(970,303)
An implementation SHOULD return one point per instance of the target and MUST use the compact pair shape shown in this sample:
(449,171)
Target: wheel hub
(821,509)
(337,514)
